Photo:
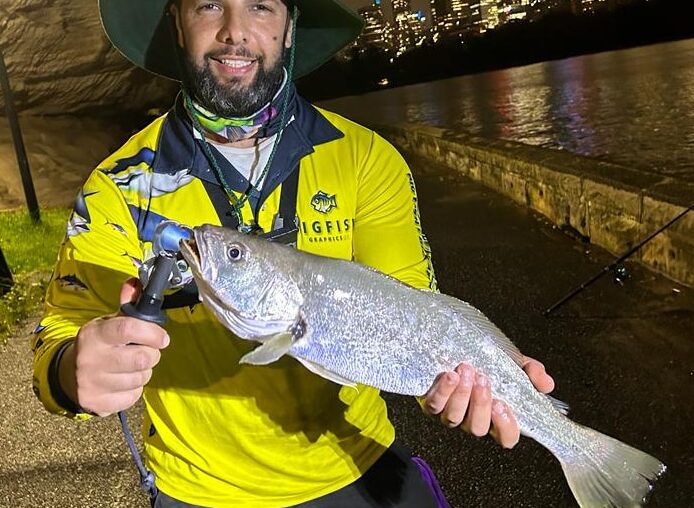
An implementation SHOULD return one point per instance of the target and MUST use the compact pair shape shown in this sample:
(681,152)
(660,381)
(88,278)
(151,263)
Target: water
(633,107)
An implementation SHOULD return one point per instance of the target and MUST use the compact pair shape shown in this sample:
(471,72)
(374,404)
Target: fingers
(537,374)
(439,393)
(457,406)
(135,358)
(505,429)
(464,399)
(121,382)
(130,290)
(113,361)
(113,402)
(478,418)
(123,330)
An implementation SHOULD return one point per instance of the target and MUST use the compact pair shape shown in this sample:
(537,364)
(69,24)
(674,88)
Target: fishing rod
(619,273)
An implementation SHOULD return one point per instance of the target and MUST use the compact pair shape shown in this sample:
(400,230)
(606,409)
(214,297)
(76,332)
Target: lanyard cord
(237,203)
(146,476)
(147,479)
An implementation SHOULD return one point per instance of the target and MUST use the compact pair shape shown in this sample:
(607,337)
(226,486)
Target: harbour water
(633,107)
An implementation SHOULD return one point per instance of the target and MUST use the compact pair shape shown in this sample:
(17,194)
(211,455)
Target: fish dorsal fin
(559,405)
(270,350)
(482,322)
(327,374)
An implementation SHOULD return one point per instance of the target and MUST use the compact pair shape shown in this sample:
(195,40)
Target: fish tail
(603,471)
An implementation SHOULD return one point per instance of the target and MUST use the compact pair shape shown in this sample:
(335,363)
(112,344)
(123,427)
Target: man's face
(233,52)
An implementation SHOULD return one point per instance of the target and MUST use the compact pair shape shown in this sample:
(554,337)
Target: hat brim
(142,31)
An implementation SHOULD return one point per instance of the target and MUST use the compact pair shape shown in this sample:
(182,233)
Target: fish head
(245,280)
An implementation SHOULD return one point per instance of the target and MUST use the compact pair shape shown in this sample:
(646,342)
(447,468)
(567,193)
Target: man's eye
(208,7)
(261,7)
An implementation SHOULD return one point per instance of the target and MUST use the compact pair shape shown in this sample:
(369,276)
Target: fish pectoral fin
(269,351)
(559,405)
(327,374)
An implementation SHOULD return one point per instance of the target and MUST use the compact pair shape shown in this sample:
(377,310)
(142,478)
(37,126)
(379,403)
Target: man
(240,148)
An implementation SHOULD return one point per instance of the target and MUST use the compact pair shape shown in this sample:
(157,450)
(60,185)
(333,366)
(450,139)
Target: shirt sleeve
(100,251)
(388,233)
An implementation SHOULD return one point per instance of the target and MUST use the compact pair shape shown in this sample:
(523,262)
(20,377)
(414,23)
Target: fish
(323,202)
(352,325)
(72,281)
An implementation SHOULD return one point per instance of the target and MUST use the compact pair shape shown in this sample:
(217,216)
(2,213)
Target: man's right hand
(107,366)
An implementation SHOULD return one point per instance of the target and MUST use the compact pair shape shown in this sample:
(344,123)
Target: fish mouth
(190,252)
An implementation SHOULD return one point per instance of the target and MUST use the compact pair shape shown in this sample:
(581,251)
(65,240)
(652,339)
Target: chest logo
(323,203)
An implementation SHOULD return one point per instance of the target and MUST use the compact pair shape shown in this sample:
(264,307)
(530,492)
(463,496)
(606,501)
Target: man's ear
(290,30)
(175,11)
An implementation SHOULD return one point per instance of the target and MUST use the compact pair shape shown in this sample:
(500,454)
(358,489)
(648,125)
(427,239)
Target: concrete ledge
(613,206)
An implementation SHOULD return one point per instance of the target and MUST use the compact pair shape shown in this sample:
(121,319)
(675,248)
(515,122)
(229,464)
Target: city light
(409,28)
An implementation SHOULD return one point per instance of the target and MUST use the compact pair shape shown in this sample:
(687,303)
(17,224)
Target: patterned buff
(262,124)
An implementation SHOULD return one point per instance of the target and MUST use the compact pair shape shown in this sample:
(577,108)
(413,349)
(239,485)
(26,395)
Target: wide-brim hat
(141,30)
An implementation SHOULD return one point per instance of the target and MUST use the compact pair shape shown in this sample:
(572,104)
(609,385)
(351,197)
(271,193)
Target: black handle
(149,306)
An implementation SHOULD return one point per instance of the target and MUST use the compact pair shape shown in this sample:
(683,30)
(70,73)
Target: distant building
(512,10)
(404,37)
(456,17)
(489,15)
(377,31)
(439,10)
(593,5)
(539,8)
(417,25)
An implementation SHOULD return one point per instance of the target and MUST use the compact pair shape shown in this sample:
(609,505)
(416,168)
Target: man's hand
(106,368)
(463,398)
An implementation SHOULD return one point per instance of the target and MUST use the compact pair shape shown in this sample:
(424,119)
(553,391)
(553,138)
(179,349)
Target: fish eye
(234,253)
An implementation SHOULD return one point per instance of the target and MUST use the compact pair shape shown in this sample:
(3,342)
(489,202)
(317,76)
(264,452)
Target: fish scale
(358,325)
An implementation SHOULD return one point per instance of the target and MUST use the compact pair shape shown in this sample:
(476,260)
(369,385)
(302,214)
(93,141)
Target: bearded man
(240,148)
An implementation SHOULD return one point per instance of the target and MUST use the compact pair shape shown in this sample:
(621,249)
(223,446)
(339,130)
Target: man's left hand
(463,398)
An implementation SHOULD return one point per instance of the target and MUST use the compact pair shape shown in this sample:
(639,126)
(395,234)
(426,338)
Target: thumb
(130,290)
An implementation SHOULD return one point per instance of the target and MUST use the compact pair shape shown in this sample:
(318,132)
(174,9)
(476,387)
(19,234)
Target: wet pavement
(622,357)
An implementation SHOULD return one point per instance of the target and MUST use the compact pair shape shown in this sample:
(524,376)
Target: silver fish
(352,324)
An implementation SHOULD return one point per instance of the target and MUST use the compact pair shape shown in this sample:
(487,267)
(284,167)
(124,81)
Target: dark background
(558,35)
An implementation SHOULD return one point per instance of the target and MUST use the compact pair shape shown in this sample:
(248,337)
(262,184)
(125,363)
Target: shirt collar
(177,149)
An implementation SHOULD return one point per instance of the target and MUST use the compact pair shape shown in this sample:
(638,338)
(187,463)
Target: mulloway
(352,324)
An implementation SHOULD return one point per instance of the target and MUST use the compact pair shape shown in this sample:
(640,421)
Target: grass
(30,251)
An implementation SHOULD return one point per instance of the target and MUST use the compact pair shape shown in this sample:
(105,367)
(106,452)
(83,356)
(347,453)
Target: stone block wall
(613,206)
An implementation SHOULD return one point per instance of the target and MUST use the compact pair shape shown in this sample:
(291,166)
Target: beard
(232,99)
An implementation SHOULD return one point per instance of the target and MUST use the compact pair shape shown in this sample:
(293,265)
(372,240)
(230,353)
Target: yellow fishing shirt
(217,433)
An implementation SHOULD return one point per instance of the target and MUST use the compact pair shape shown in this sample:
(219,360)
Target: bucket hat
(141,30)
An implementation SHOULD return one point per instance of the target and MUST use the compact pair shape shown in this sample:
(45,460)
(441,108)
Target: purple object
(430,479)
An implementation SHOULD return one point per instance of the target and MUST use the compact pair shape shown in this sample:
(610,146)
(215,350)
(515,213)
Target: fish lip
(190,252)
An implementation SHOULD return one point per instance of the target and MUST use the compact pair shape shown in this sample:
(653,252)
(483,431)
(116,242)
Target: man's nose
(235,28)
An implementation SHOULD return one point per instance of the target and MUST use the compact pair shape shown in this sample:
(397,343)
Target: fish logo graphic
(118,227)
(323,202)
(72,281)
(80,219)
(137,263)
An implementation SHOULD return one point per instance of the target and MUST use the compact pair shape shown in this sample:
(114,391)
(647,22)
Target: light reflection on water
(634,107)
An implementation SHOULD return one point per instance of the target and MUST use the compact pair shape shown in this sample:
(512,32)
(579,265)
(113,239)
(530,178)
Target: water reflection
(570,107)
(634,107)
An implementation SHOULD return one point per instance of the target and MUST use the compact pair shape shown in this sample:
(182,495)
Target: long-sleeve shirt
(217,433)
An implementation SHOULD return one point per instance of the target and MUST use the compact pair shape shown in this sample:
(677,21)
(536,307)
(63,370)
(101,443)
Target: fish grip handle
(149,305)
(163,274)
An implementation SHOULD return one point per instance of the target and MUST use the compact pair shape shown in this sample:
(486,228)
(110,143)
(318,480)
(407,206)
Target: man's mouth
(238,64)
(234,65)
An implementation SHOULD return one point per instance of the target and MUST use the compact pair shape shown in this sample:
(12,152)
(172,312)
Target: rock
(60,61)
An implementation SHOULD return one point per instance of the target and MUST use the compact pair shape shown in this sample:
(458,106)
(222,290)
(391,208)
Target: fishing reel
(163,271)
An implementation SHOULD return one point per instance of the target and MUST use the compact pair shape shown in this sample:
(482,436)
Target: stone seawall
(613,206)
